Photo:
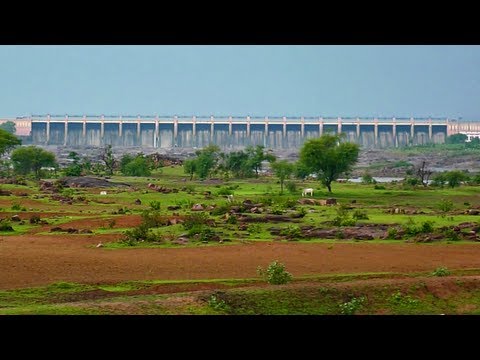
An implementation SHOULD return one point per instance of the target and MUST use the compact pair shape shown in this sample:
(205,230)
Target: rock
(210,207)
(85,231)
(99,245)
(152,186)
(138,202)
(16,218)
(173,207)
(331,201)
(473,212)
(307,201)
(197,207)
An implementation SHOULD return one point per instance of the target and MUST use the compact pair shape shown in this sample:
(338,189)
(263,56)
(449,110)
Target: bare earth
(34,260)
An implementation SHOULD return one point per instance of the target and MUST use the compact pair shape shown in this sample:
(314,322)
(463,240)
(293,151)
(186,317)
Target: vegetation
(8,126)
(328,157)
(32,159)
(282,170)
(275,273)
(8,141)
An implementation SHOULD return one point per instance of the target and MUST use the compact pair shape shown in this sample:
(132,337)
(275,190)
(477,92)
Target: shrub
(441,271)
(16,207)
(427,227)
(254,229)
(112,223)
(220,210)
(139,233)
(379,187)
(343,217)
(392,233)
(152,219)
(224,191)
(6,226)
(232,220)
(275,273)
(352,306)
(368,179)
(360,215)
(445,205)
(155,205)
(217,304)
(34,219)
(291,187)
(292,232)
(451,235)
(411,181)
(195,220)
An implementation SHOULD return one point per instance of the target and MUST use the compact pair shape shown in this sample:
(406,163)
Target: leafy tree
(455,177)
(329,157)
(256,155)
(439,180)
(75,169)
(138,166)
(108,159)
(238,163)
(456,139)
(282,169)
(32,159)
(301,171)
(206,161)
(190,167)
(9,127)
(7,142)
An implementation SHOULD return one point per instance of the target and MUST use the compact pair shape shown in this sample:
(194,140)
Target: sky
(257,80)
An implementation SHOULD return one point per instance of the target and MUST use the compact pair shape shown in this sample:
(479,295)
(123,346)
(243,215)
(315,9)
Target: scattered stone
(138,202)
(99,245)
(197,207)
(174,207)
(16,218)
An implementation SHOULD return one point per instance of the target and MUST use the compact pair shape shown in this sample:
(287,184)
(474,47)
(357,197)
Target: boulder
(197,207)
(138,202)
(16,218)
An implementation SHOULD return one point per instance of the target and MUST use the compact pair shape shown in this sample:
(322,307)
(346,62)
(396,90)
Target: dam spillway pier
(231,132)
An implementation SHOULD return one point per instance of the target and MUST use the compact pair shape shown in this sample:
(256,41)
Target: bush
(451,235)
(368,179)
(343,217)
(352,306)
(392,233)
(152,219)
(155,205)
(5,225)
(427,227)
(232,220)
(195,220)
(253,229)
(441,271)
(16,207)
(291,187)
(220,210)
(445,205)
(224,191)
(411,181)
(292,232)
(275,273)
(379,187)
(360,215)
(139,233)
(34,219)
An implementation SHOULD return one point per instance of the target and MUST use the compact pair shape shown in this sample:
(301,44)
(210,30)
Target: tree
(75,169)
(282,169)
(135,166)
(456,139)
(205,164)
(328,157)
(9,127)
(32,158)
(256,155)
(190,167)
(108,159)
(8,142)
(455,177)
(424,174)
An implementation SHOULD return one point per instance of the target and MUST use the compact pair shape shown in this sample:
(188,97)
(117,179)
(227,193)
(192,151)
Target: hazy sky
(401,81)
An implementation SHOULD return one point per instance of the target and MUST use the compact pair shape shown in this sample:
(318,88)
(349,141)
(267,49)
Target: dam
(231,132)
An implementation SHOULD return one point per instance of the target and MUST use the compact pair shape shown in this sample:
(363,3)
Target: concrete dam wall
(232,133)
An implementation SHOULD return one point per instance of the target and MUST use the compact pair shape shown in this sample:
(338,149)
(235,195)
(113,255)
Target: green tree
(455,177)
(138,166)
(207,160)
(75,169)
(190,167)
(9,127)
(108,159)
(329,157)
(456,139)
(32,159)
(439,180)
(282,170)
(7,142)
(238,163)
(256,155)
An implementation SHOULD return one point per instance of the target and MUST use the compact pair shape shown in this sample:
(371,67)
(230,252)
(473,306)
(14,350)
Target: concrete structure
(231,132)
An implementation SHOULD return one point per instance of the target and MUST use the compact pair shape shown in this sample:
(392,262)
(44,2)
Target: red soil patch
(31,260)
